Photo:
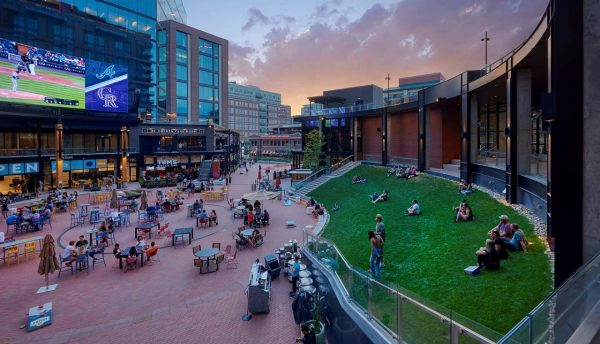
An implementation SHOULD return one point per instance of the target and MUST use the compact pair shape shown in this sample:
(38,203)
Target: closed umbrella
(144,201)
(277,181)
(114,201)
(48,261)
(259,175)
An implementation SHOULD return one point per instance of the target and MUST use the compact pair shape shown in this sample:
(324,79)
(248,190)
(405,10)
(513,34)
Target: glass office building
(192,69)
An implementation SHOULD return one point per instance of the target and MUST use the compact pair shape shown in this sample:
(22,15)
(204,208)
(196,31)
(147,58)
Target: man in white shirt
(67,255)
(414,209)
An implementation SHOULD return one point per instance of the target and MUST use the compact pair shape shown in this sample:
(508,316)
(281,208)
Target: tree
(313,149)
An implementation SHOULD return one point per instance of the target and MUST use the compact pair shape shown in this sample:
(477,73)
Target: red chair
(227,250)
(232,260)
(203,222)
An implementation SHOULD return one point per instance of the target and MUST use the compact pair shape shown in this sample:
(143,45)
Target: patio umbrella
(114,201)
(259,175)
(144,201)
(261,195)
(48,261)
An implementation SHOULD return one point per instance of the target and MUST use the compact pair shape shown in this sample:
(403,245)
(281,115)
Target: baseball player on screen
(15,80)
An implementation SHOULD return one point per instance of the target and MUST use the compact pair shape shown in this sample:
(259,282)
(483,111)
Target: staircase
(205,169)
(305,189)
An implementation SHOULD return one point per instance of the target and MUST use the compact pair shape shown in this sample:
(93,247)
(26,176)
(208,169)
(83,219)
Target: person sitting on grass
(504,228)
(518,242)
(494,250)
(411,172)
(318,211)
(463,212)
(377,197)
(414,209)
(464,187)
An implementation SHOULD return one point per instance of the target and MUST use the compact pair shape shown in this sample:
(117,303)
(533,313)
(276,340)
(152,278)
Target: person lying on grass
(375,197)
(358,180)
(414,209)
(518,242)
(411,172)
(463,212)
(397,171)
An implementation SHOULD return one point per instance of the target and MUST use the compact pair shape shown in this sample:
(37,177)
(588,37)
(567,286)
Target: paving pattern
(165,302)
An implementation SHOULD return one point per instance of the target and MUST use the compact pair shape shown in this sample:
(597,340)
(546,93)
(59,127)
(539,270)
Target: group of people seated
(254,215)
(463,212)
(140,246)
(376,197)
(171,204)
(502,238)
(359,180)
(399,172)
(211,217)
(464,187)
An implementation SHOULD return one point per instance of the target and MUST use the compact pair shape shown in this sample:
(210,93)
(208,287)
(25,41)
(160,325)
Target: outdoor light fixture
(420,136)
(507,131)
(463,135)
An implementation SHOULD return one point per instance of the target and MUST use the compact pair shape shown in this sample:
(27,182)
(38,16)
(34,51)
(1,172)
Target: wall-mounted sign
(164,163)
(71,165)
(19,168)
(172,131)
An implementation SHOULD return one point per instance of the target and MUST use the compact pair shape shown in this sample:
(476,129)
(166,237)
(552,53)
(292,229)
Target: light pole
(388,89)
(485,39)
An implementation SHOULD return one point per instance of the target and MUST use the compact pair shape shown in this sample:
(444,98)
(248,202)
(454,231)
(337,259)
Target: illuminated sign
(19,168)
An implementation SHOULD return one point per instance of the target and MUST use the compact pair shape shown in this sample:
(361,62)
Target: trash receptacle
(272,264)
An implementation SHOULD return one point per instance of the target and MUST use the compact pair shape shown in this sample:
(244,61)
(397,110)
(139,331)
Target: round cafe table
(206,254)
(247,232)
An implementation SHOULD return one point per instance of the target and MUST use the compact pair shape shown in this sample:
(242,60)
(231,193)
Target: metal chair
(216,245)
(29,250)
(64,266)
(98,257)
(199,263)
(196,249)
(232,260)
(12,251)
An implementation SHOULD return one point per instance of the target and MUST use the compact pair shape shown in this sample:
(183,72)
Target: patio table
(6,245)
(206,254)
(181,232)
(125,254)
(146,226)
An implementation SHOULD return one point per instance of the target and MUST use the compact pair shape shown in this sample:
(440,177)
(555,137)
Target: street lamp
(388,89)
(486,39)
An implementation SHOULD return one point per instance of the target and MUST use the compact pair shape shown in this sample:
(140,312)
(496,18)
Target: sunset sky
(300,48)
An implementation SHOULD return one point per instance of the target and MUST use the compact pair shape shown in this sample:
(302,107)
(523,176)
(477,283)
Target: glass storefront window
(491,137)
(539,149)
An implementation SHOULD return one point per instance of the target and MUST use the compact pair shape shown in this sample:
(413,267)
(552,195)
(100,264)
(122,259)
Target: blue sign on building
(19,168)
(106,87)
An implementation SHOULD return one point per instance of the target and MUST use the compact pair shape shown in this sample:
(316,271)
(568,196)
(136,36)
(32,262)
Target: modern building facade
(408,88)
(516,127)
(272,145)
(171,10)
(36,140)
(308,109)
(192,75)
(252,110)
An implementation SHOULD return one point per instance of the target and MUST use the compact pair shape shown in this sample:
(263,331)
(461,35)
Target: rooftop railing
(361,107)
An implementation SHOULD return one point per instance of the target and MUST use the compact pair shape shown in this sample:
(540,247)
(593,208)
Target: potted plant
(317,324)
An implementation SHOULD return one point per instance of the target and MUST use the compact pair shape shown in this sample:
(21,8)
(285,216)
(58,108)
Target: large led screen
(36,76)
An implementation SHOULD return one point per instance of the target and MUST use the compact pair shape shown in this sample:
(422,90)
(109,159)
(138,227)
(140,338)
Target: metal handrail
(471,333)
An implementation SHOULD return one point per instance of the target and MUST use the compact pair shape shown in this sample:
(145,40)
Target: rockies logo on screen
(105,93)
(108,72)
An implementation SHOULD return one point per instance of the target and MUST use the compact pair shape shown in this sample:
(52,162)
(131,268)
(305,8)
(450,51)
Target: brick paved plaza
(165,302)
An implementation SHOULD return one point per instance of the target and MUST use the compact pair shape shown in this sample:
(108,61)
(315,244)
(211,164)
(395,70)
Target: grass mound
(427,254)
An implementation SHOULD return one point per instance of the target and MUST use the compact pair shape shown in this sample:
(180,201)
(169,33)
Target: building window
(207,109)
(181,72)
(206,62)
(182,106)
(182,89)
(206,93)
(162,37)
(181,55)
(206,77)
(181,39)
(205,47)
(491,137)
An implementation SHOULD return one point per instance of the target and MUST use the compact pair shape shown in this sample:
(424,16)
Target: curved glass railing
(569,315)
(407,317)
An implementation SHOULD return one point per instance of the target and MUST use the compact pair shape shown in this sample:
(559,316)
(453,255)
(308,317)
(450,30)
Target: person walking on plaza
(375,260)
(380,230)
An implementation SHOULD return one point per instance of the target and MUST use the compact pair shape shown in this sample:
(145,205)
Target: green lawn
(427,254)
